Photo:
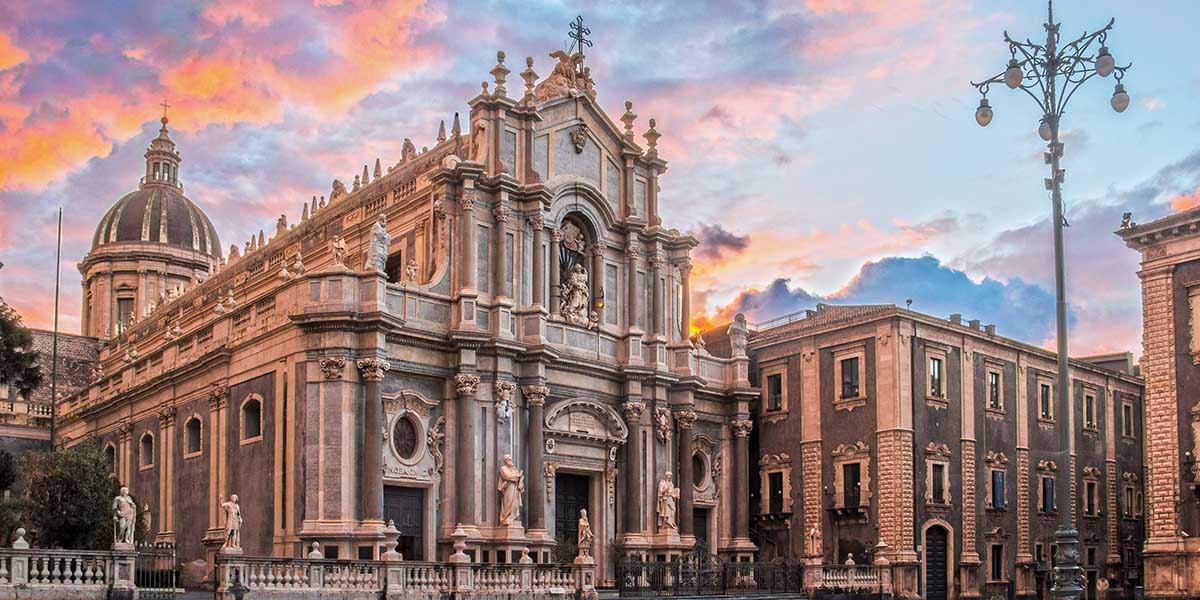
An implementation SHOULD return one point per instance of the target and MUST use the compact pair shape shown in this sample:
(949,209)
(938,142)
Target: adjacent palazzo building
(510,290)
(935,446)
(1170,274)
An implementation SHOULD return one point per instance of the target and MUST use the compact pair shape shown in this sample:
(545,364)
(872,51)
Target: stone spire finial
(378,169)
(484,85)
(304,213)
(652,136)
(628,119)
(530,76)
(500,72)
(455,128)
(262,239)
(366,177)
(441,136)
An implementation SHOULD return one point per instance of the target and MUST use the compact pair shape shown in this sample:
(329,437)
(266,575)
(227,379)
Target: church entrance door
(571,494)
(700,528)
(406,507)
(936,559)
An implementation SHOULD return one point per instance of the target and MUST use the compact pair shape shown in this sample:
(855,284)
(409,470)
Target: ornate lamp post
(1050,73)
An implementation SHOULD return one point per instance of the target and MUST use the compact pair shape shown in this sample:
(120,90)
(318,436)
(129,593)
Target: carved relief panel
(413,439)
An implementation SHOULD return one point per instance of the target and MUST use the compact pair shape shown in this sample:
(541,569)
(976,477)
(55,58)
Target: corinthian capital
(373,368)
(501,214)
(468,200)
(535,395)
(504,390)
(685,419)
(537,222)
(466,384)
(633,411)
(741,427)
(556,235)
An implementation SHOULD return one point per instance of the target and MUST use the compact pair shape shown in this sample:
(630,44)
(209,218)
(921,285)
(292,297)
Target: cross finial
(165,107)
(578,36)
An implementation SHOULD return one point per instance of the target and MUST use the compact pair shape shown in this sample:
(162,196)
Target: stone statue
(511,485)
(668,494)
(233,523)
(339,189)
(147,519)
(738,333)
(585,534)
(124,518)
(1127,220)
(281,226)
(574,291)
(407,151)
(850,559)
(377,251)
(812,541)
(561,80)
(410,270)
(479,142)
(338,247)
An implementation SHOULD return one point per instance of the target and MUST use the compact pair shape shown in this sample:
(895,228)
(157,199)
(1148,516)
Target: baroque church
(493,333)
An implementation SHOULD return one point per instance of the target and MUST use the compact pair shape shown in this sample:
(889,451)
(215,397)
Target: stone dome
(158,213)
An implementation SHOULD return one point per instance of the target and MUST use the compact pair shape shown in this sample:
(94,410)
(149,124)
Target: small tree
(71,492)
(18,359)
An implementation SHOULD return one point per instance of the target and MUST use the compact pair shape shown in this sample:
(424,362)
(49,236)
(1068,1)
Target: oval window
(404,438)
(698,469)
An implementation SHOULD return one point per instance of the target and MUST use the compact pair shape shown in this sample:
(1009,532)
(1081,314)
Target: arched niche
(586,420)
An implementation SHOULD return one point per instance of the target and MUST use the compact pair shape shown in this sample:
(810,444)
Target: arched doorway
(937,558)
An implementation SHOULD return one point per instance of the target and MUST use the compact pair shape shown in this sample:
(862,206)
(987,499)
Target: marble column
(466,385)
(166,472)
(597,280)
(740,495)
(685,313)
(535,398)
(371,508)
(631,289)
(555,275)
(656,316)
(685,420)
(539,259)
(470,256)
(501,214)
(633,466)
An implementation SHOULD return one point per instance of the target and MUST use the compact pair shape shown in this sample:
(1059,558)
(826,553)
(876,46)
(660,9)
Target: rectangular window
(1039,552)
(1047,495)
(997,570)
(1089,411)
(124,313)
(1089,498)
(939,488)
(775,392)
(482,258)
(850,387)
(993,391)
(998,499)
(851,480)
(775,492)
(1127,505)
(1045,402)
(935,377)
(1127,419)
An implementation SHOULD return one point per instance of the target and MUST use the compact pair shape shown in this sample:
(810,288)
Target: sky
(821,150)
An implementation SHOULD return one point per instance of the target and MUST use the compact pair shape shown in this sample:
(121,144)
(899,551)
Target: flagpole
(54,350)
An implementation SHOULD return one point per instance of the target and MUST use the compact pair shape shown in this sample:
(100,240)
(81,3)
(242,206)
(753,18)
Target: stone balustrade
(850,578)
(308,578)
(78,574)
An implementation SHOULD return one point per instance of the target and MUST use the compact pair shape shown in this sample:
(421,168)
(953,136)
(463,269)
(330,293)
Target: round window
(699,469)
(404,438)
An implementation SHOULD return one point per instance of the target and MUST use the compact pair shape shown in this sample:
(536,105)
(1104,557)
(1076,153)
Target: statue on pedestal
(585,535)
(124,518)
(511,485)
(377,251)
(668,494)
(233,524)
(575,296)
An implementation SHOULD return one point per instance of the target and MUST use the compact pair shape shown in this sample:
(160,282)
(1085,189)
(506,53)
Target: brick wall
(1161,433)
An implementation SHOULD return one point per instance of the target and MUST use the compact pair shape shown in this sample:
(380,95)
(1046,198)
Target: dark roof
(139,217)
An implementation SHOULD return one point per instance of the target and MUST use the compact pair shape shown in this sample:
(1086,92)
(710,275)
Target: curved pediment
(586,419)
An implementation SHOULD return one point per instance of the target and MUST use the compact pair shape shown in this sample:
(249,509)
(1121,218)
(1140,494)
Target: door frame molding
(429,526)
(950,563)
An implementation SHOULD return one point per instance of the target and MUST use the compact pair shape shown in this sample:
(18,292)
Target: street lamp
(1050,74)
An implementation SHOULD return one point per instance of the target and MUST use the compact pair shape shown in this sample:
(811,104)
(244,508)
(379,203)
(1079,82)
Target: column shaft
(657,308)
(633,467)
(535,398)
(741,478)
(498,258)
(466,385)
(686,493)
(597,280)
(371,508)
(539,260)
(685,316)
(555,240)
(631,306)
(470,257)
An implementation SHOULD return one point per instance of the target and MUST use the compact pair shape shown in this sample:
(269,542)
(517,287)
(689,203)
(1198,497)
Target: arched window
(251,419)
(146,451)
(110,457)
(191,437)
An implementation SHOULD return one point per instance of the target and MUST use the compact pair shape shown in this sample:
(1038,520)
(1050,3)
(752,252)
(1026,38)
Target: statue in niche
(377,251)
(812,541)
(668,494)
(585,535)
(510,486)
(124,522)
(575,296)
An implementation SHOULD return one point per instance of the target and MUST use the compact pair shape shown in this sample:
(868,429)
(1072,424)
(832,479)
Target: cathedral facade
(491,334)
